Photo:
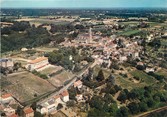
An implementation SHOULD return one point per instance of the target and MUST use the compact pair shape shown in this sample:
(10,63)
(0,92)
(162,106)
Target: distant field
(38,21)
(45,49)
(129,32)
(152,24)
(24,85)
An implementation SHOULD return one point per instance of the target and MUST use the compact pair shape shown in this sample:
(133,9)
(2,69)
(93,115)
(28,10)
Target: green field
(49,22)
(147,79)
(127,84)
(129,32)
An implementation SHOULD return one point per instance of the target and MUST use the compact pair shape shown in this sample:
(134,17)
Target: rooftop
(38,60)
(64,93)
(28,110)
(57,96)
(6,95)
(77,83)
(13,115)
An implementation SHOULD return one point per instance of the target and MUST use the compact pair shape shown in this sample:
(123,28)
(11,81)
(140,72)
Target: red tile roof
(57,96)
(28,110)
(13,115)
(6,95)
(65,93)
(77,83)
(38,60)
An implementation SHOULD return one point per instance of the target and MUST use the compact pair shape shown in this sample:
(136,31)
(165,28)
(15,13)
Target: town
(96,64)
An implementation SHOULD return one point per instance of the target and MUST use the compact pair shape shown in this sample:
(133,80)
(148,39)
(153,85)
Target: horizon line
(82,7)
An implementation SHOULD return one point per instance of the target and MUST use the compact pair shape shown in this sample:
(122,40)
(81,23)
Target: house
(79,97)
(13,115)
(24,49)
(28,112)
(6,62)
(136,54)
(9,111)
(6,98)
(41,109)
(78,84)
(150,70)
(37,63)
(123,58)
(57,99)
(47,107)
(65,96)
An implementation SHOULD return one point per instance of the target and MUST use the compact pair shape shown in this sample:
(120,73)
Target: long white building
(37,63)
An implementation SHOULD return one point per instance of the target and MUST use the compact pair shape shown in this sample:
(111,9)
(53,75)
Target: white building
(57,100)
(149,70)
(123,58)
(9,111)
(37,63)
(79,97)
(65,96)
(41,109)
(6,98)
(47,107)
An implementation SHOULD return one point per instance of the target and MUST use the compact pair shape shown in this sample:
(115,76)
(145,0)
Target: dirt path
(145,114)
(116,95)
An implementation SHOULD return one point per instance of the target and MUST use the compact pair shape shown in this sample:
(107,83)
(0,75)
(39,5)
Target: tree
(16,66)
(108,98)
(113,109)
(70,103)
(122,97)
(90,74)
(19,111)
(133,94)
(38,114)
(150,102)
(34,106)
(133,107)
(100,76)
(96,102)
(72,93)
(143,106)
(111,79)
(59,106)
(97,113)
(122,112)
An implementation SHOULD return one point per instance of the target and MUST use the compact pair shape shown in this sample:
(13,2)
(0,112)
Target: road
(145,114)
(69,84)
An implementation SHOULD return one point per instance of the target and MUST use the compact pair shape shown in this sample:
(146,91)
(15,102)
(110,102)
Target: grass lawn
(147,79)
(127,84)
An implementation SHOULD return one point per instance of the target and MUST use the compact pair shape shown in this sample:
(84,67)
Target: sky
(82,3)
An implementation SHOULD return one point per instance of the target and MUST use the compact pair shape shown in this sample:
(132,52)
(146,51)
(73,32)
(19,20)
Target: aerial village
(35,85)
